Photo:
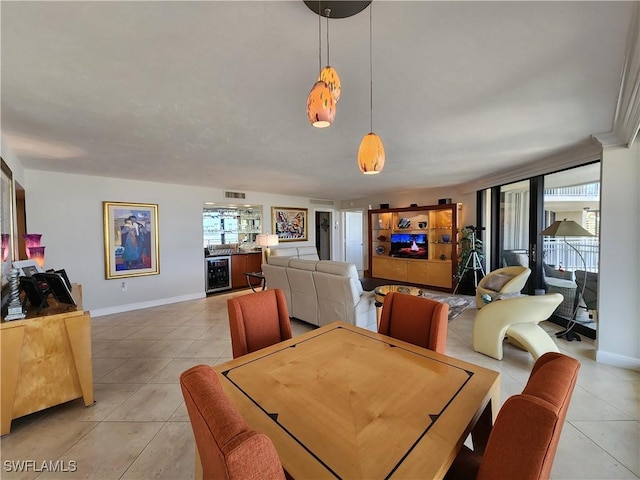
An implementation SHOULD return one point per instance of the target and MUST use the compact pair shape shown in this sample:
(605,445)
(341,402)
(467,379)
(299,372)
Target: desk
(46,359)
(350,403)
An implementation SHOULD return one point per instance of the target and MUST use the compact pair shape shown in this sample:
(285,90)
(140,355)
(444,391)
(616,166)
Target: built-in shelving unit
(432,261)
(231,225)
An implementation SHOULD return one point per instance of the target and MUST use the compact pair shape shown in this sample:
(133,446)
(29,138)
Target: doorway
(323,235)
(353,239)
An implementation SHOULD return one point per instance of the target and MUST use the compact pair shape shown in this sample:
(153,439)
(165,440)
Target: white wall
(67,210)
(619,277)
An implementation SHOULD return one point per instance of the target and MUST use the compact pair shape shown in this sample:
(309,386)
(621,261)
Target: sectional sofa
(320,291)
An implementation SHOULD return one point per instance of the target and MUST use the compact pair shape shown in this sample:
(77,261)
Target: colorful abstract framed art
(290,224)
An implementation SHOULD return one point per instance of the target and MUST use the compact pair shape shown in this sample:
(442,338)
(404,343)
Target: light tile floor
(139,428)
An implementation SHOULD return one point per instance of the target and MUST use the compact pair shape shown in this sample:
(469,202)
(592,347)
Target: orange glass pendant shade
(321,108)
(371,154)
(329,76)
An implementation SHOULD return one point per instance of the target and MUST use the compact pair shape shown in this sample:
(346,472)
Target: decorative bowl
(380,249)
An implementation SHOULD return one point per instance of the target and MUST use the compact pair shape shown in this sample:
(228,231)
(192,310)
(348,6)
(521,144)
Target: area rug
(457,305)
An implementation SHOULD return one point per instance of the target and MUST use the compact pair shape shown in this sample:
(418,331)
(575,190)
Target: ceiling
(214,93)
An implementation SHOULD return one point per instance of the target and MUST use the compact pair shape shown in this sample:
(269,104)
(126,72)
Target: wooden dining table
(344,402)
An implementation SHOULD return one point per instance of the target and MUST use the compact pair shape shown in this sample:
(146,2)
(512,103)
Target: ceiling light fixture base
(338,8)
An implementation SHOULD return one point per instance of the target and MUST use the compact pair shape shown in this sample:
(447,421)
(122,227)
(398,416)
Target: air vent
(234,195)
(315,201)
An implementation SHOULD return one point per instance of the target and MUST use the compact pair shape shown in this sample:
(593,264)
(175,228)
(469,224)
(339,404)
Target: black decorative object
(338,8)
(57,286)
(444,201)
(33,293)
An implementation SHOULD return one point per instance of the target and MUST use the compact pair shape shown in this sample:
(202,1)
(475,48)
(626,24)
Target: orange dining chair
(417,320)
(524,439)
(258,320)
(225,446)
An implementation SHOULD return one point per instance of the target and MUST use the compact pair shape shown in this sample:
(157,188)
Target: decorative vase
(446,238)
(31,240)
(5,247)
(37,254)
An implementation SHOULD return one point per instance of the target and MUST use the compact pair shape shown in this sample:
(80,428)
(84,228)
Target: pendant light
(321,105)
(371,154)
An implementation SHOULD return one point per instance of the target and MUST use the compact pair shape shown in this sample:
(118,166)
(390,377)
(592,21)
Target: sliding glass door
(515,205)
(516,213)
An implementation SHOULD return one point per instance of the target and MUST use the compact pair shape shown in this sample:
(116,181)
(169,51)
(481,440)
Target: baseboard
(99,312)
(618,360)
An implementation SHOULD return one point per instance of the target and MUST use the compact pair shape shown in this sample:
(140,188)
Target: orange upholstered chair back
(258,320)
(416,320)
(228,449)
(524,439)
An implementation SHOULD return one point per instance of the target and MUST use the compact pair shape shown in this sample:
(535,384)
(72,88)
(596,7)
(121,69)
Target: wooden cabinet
(415,245)
(46,360)
(245,262)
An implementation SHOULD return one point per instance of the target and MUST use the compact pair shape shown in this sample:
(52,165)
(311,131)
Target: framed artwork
(26,268)
(289,224)
(130,239)
(6,221)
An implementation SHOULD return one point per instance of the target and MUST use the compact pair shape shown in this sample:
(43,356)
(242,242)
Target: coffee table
(383,290)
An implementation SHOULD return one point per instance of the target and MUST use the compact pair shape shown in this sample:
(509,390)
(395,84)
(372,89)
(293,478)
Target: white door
(353,239)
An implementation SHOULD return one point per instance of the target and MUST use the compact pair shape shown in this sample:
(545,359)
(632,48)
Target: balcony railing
(558,253)
(589,190)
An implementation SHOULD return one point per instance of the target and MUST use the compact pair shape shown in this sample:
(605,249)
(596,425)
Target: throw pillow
(497,281)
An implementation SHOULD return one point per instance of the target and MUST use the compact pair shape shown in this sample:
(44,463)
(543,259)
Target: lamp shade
(267,240)
(321,107)
(371,154)
(329,76)
(565,228)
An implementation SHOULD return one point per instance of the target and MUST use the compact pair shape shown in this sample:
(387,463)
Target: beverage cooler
(217,272)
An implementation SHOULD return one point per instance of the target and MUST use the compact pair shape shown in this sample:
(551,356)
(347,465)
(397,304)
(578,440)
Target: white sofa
(321,291)
(305,253)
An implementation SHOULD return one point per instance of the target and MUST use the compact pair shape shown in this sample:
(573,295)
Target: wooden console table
(46,360)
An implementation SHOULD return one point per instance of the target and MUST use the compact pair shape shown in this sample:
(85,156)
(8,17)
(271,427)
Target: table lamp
(267,240)
(568,228)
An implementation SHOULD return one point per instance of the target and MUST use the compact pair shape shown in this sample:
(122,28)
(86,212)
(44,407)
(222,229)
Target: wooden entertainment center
(434,268)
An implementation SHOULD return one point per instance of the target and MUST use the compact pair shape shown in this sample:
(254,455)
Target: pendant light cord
(370,68)
(319,40)
(327,12)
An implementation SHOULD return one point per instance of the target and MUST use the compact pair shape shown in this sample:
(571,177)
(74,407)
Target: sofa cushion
(308,253)
(341,268)
(284,252)
(497,281)
(279,261)
(302,264)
